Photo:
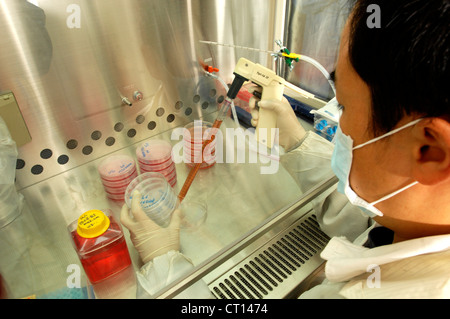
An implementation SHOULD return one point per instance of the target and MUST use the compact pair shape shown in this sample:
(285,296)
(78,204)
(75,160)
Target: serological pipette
(231,95)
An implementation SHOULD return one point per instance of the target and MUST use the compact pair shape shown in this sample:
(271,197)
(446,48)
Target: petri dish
(158,199)
(154,152)
(193,214)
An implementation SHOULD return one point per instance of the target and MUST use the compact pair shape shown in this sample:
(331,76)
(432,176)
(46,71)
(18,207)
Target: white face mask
(341,163)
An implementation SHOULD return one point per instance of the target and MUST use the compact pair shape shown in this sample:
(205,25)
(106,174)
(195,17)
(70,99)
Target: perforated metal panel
(277,268)
(39,163)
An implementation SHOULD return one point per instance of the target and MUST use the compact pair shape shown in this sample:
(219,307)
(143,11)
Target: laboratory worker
(389,218)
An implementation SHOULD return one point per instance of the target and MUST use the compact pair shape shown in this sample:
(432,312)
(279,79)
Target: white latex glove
(150,239)
(291,132)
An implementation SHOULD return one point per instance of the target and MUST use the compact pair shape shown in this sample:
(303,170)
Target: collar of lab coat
(346,260)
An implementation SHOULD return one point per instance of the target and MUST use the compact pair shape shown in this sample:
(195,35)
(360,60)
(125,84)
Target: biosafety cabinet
(84,80)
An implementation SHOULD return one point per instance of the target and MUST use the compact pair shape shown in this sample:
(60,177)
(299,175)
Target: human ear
(432,151)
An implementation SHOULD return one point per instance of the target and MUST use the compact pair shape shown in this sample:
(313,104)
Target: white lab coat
(411,269)
(417,268)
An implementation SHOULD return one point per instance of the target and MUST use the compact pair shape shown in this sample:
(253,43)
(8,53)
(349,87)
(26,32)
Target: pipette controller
(272,89)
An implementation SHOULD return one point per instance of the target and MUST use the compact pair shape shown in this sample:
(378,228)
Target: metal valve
(126,101)
(138,96)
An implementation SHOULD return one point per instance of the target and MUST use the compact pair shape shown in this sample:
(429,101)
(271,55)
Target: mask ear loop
(394,193)
(379,138)
(388,133)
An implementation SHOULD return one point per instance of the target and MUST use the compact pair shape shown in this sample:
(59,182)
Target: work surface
(238,198)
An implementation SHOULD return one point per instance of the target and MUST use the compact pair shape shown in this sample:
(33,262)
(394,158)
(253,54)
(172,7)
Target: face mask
(341,163)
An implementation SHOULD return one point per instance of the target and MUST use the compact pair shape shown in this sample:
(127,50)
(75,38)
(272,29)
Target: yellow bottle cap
(92,224)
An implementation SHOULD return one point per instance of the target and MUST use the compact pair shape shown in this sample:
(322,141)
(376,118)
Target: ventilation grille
(277,268)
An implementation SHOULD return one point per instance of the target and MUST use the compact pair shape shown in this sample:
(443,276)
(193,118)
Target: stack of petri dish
(158,200)
(194,135)
(116,173)
(156,156)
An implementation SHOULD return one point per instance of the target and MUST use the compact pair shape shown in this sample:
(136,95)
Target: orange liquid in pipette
(196,167)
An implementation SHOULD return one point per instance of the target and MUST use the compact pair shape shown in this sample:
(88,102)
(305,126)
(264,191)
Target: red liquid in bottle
(105,255)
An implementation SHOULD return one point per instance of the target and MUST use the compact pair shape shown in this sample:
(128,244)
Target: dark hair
(405,61)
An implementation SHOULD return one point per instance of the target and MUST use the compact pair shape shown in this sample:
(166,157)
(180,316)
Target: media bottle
(100,244)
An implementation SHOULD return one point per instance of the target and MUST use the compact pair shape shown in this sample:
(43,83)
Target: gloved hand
(150,239)
(291,131)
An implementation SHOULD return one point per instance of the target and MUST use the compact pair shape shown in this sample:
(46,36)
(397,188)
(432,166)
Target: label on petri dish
(152,198)
(147,201)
